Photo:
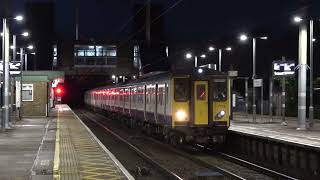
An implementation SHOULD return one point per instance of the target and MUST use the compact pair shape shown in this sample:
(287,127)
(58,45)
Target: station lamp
(188,55)
(203,56)
(211,48)
(297,19)
(19,18)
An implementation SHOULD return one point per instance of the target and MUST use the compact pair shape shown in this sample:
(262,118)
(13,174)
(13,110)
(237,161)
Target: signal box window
(219,89)
(201,92)
(27,92)
(181,89)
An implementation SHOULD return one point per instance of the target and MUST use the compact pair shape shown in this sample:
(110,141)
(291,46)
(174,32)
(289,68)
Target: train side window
(220,89)
(201,92)
(160,95)
(181,89)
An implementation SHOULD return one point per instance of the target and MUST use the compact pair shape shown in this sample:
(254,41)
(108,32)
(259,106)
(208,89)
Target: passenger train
(182,107)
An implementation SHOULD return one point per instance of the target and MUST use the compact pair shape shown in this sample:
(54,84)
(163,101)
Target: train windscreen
(220,89)
(181,89)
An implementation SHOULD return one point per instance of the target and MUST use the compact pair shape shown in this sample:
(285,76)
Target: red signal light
(59,91)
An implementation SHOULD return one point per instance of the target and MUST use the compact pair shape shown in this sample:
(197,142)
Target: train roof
(163,75)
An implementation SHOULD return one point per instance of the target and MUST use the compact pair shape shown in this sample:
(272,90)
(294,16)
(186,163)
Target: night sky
(200,21)
(208,19)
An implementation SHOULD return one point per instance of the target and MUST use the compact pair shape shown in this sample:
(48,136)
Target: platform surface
(79,154)
(56,147)
(27,150)
(266,128)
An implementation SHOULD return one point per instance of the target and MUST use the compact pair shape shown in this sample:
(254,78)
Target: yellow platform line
(56,163)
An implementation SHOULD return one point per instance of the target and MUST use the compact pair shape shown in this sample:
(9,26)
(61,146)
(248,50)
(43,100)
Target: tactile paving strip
(80,156)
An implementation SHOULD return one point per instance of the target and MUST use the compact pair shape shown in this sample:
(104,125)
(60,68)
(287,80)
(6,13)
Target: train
(191,108)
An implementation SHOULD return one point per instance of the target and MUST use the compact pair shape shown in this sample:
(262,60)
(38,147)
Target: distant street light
(25,34)
(228,48)
(244,37)
(30,47)
(33,53)
(203,56)
(200,71)
(188,55)
(211,48)
(19,18)
(297,19)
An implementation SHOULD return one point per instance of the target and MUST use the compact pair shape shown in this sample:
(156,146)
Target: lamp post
(220,54)
(302,77)
(244,37)
(189,56)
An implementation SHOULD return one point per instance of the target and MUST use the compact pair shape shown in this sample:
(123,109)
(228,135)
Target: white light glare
(91,47)
(243,37)
(19,18)
(12,47)
(211,48)
(33,53)
(264,37)
(25,34)
(297,19)
(314,40)
(228,48)
(203,56)
(30,47)
(200,71)
(1,33)
(113,76)
(188,55)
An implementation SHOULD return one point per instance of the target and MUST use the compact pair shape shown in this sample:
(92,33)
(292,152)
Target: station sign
(15,67)
(233,73)
(257,83)
(283,68)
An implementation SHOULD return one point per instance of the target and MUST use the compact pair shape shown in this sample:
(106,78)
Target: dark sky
(208,19)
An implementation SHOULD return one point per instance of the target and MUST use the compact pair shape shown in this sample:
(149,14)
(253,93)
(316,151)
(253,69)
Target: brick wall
(37,107)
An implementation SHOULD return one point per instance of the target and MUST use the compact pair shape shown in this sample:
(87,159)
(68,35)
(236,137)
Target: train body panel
(196,108)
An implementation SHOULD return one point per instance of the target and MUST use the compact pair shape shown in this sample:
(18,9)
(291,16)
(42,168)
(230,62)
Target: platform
(58,147)
(78,152)
(274,130)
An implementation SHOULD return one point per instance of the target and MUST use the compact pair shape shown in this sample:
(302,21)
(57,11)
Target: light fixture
(297,19)
(25,34)
(243,37)
(200,71)
(19,18)
(113,76)
(314,40)
(211,48)
(228,48)
(203,56)
(12,47)
(188,55)
(33,53)
(264,37)
(30,47)
(91,47)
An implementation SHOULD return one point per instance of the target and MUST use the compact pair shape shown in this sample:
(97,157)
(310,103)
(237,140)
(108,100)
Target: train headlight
(220,114)
(181,115)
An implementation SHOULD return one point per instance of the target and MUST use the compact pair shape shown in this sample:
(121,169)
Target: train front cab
(202,113)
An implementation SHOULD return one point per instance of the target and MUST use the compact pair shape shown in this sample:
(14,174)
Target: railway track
(210,162)
(155,154)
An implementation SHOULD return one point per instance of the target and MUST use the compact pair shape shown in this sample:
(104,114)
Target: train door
(200,102)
